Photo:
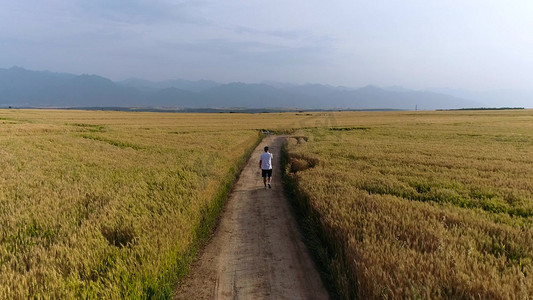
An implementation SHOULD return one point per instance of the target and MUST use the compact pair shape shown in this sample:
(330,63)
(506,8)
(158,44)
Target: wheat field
(420,204)
(100,204)
(108,204)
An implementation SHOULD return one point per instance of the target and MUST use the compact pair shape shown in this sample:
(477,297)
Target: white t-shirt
(266,161)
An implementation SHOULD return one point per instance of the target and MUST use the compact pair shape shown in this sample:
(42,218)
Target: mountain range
(25,88)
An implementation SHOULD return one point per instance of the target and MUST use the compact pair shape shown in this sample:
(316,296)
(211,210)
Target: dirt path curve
(257,251)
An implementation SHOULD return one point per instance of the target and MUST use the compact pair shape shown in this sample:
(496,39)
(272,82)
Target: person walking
(265,163)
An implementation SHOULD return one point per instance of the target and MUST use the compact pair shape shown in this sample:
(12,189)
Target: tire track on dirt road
(257,250)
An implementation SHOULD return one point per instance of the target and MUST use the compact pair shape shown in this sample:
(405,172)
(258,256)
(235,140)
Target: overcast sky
(473,44)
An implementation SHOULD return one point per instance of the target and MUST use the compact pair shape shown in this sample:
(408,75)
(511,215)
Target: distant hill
(24,88)
(494,98)
(20,87)
(146,85)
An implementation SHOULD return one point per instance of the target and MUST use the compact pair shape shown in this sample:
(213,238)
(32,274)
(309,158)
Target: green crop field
(421,204)
(97,204)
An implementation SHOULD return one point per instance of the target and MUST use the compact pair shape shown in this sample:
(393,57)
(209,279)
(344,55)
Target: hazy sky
(474,44)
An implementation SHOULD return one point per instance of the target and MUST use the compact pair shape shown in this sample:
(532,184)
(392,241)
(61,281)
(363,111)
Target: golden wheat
(111,204)
(422,205)
(104,204)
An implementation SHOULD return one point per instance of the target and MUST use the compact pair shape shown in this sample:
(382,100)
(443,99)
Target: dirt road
(257,251)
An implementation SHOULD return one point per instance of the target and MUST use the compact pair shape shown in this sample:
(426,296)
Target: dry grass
(422,205)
